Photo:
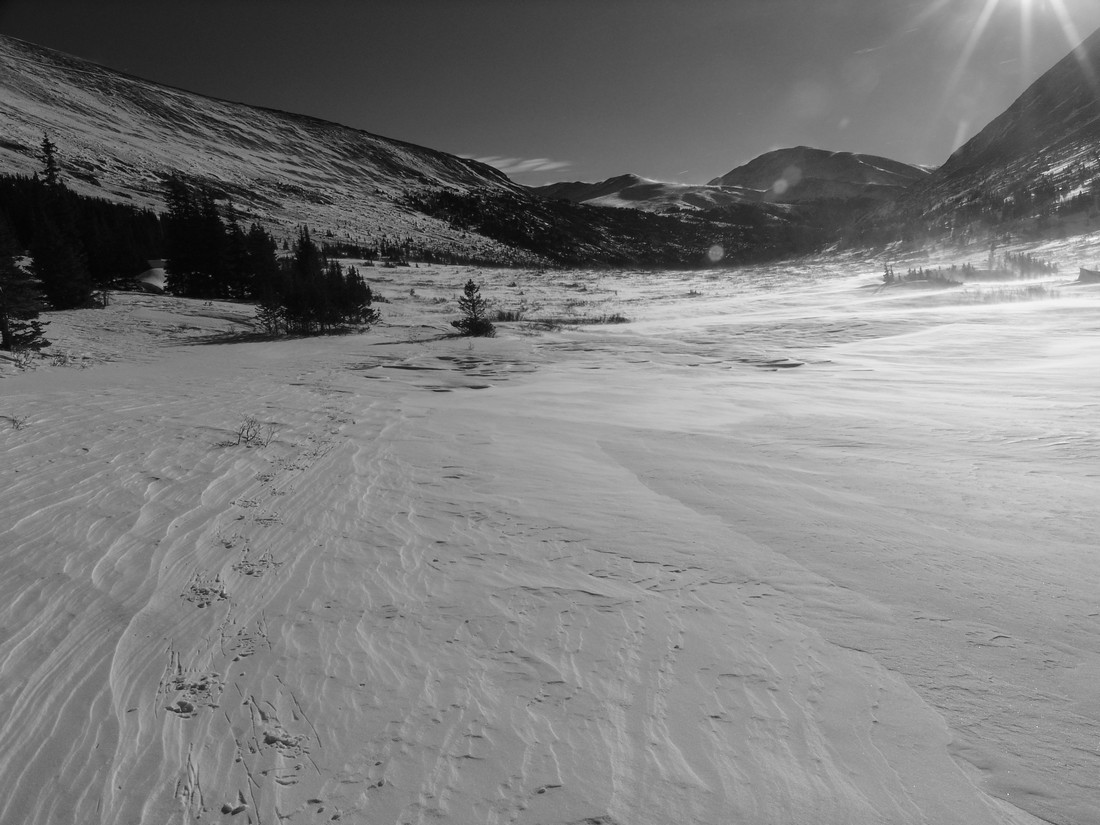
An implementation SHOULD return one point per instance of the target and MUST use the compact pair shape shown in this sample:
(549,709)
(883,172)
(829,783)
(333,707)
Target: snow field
(642,573)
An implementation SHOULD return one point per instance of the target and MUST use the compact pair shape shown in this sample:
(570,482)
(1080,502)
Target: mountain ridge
(803,173)
(1038,160)
(120,135)
(798,175)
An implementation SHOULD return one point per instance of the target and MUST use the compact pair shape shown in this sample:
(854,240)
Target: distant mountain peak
(800,174)
(803,173)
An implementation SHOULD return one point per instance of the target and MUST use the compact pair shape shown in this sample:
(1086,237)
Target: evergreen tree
(267,281)
(474,308)
(179,236)
(59,265)
(116,239)
(59,261)
(357,299)
(263,261)
(238,270)
(20,301)
(213,249)
(196,243)
(304,282)
(311,295)
(51,169)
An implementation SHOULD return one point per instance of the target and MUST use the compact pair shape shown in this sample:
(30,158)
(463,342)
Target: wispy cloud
(520,166)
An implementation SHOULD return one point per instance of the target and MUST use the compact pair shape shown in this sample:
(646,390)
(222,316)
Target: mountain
(1038,161)
(633,192)
(118,136)
(803,174)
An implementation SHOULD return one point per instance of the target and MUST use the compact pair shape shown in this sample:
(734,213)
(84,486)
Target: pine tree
(238,271)
(196,243)
(51,169)
(59,265)
(179,236)
(20,301)
(267,281)
(214,248)
(474,308)
(302,295)
(309,294)
(59,260)
(357,300)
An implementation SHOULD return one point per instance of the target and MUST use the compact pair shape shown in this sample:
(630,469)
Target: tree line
(209,255)
(77,245)
(62,250)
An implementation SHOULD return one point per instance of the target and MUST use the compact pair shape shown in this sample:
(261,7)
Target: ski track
(618,577)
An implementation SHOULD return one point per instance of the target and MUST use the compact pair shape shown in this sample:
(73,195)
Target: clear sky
(548,90)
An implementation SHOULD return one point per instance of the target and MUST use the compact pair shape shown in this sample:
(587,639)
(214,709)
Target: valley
(772,500)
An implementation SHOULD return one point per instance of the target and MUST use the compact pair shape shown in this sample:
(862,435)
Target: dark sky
(678,90)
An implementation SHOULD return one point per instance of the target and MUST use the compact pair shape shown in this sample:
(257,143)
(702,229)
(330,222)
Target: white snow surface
(629,574)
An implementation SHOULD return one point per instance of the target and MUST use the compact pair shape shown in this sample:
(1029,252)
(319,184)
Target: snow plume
(520,166)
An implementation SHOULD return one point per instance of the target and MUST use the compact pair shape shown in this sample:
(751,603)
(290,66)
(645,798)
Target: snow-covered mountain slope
(118,136)
(805,174)
(1040,157)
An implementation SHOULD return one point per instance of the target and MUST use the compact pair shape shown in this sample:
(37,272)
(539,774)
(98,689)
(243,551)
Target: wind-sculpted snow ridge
(633,192)
(624,575)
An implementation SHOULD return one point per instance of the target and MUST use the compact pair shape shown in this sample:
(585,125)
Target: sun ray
(1026,39)
(1073,38)
(1028,13)
(971,44)
(960,67)
(930,13)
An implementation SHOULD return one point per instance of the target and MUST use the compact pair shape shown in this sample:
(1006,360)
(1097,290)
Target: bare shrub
(18,422)
(23,358)
(252,432)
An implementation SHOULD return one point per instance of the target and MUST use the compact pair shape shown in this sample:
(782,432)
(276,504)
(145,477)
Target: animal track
(244,643)
(182,708)
(203,592)
(193,689)
(257,567)
(277,737)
